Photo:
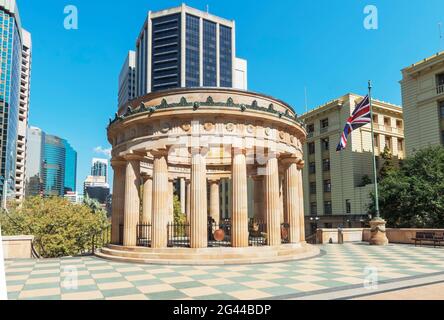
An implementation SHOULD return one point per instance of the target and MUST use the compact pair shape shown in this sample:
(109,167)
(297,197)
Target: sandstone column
(182,196)
(132,201)
(215,201)
(301,165)
(239,230)
(147,204)
(272,202)
(160,209)
(281,199)
(171,201)
(118,201)
(292,198)
(188,200)
(259,210)
(198,216)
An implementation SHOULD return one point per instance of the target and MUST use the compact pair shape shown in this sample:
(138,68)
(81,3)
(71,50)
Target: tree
(179,217)
(60,228)
(413,195)
(388,163)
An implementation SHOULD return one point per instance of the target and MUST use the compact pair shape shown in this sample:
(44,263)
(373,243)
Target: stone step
(208,256)
(218,254)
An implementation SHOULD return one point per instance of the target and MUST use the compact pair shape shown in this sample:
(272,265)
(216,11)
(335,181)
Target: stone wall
(18,247)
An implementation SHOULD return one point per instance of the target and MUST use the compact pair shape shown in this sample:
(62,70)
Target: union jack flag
(359,118)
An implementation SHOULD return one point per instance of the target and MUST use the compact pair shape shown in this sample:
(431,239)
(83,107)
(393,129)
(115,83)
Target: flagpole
(378,214)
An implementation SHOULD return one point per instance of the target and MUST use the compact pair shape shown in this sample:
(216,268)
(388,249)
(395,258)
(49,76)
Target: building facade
(337,185)
(99,168)
(423,102)
(186,47)
(11,45)
(25,87)
(127,80)
(33,174)
(51,165)
(96,187)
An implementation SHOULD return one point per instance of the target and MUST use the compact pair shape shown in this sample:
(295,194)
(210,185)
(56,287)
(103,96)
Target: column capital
(203,150)
(146,176)
(160,152)
(133,157)
(301,164)
(118,163)
(290,159)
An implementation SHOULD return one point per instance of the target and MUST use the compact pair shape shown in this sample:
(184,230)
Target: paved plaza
(339,272)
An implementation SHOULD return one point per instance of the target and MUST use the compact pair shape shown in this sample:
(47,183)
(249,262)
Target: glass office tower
(184,47)
(51,165)
(10,62)
(70,172)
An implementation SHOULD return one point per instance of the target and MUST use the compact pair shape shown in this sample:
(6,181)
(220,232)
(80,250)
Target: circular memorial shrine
(197,139)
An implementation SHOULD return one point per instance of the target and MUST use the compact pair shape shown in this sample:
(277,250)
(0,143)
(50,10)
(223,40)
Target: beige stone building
(335,192)
(423,102)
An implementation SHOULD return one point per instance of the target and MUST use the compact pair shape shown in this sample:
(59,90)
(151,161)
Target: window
(311,148)
(325,144)
(400,145)
(327,186)
(324,123)
(441,109)
(348,206)
(399,124)
(310,128)
(326,165)
(440,80)
(327,208)
(375,118)
(312,167)
(388,143)
(386,122)
(376,140)
(312,187)
(313,209)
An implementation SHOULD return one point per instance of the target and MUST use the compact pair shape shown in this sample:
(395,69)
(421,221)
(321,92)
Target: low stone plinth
(18,247)
(209,256)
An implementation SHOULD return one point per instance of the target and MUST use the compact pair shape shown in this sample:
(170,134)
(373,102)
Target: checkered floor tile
(92,278)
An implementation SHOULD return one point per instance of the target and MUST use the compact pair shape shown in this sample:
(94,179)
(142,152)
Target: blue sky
(289,44)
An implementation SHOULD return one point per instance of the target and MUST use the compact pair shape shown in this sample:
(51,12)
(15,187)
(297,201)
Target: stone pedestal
(378,232)
(239,231)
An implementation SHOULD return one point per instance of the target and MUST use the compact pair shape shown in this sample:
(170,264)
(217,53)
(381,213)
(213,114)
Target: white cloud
(103,151)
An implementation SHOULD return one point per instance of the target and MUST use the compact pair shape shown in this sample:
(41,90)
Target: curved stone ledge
(209,256)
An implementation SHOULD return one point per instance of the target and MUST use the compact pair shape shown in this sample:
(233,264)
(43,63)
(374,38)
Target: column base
(378,232)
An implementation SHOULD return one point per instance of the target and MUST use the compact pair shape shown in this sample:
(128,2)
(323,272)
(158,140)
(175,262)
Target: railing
(178,235)
(257,233)
(285,233)
(312,239)
(144,235)
(219,235)
(101,239)
(440,89)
